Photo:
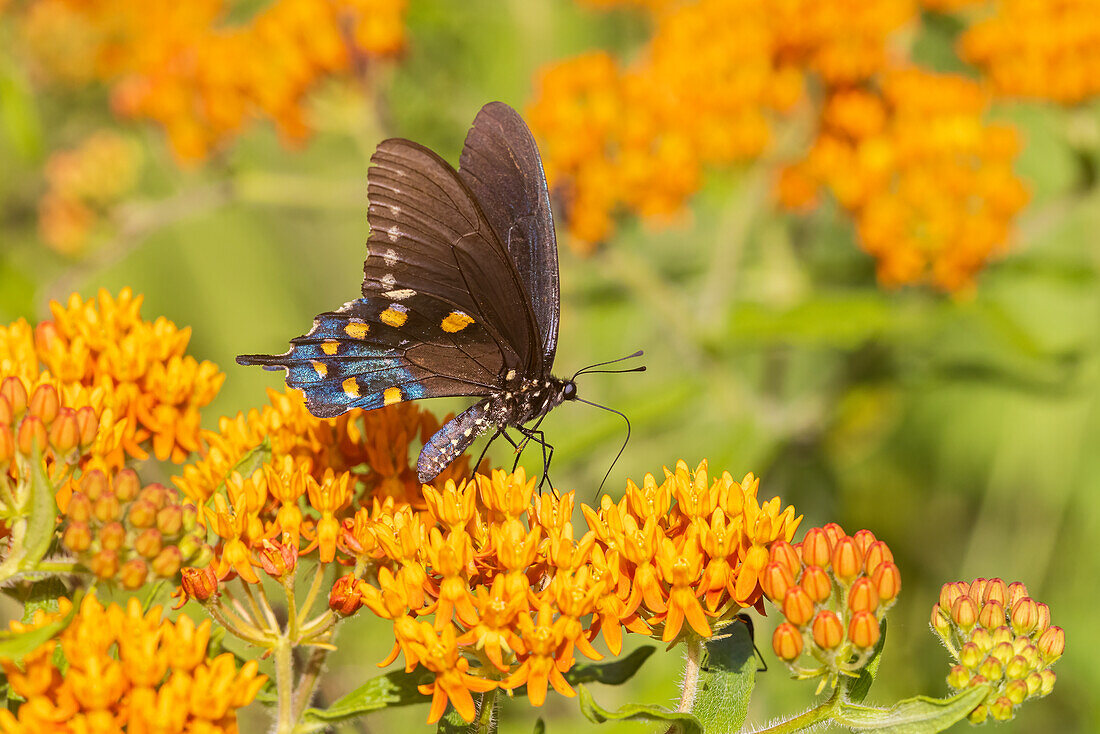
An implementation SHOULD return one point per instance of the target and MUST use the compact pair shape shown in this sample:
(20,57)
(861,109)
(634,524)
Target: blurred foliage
(963,431)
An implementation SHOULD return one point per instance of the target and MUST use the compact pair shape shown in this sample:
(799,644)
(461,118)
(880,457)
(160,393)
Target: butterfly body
(460,293)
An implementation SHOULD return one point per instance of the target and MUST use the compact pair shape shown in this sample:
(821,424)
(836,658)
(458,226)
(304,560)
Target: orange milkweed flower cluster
(82,185)
(103,343)
(998,635)
(927,179)
(505,579)
(704,91)
(125,668)
(1043,50)
(833,591)
(201,76)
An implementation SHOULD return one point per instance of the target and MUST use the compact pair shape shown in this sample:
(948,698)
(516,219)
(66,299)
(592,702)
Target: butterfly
(460,294)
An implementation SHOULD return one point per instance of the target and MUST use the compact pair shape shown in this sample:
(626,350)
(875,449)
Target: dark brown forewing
(500,164)
(431,245)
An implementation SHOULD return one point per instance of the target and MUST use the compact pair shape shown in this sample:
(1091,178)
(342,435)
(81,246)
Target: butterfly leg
(485,450)
(539,437)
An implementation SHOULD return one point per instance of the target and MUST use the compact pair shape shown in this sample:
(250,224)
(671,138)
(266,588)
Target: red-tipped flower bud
(44,403)
(127,485)
(133,574)
(798,607)
(864,630)
(864,539)
(149,543)
(775,580)
(816,549)
(345,599)
(1052,643)
(862,597)
(64,434)
(14,392)
(783,553)
(816,583)
(833,532)
(887,580)
(787,642)
(964,612)
(876,554)
(277,559)
(77,537)
(199,583)
(996,590)
(168,562)
(87,424)
(827,630)
(992,615)
(32,431)
(94,484)
(112,535)
(1024,616)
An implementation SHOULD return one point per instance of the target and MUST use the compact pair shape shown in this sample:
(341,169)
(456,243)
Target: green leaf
(42,521)
(43,595)
(855,689)
(687,723)
(540,726)
(15,646)
(392,689)
(918,715)
(613,673)
(727,680)
(452,723)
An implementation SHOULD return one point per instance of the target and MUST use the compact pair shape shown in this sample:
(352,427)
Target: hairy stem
(284,685)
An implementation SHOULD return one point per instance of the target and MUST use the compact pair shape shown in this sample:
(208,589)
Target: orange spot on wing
(320,368)
(351,387)
(394,317)
(330,347)
(391,395)
(456,321)
(356,329)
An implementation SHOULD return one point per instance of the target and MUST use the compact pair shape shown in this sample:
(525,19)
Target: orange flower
(452,682)
(539,656)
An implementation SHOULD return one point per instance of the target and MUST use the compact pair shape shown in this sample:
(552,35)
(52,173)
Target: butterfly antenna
(625,442)
(589,368)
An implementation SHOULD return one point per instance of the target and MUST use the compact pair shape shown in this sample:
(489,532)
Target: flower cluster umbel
(833,590)
(485,569)
(999,636)
(125,667)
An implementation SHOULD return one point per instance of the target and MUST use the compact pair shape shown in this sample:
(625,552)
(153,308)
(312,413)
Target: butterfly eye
(569,390)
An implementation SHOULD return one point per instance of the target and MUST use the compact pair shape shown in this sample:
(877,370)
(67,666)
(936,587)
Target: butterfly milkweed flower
(126,666)
(199,74)
(998,635)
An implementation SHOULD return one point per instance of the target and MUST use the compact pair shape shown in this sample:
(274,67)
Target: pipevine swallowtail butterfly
(460,294)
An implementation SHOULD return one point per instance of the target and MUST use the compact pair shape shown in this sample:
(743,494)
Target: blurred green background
(963,432)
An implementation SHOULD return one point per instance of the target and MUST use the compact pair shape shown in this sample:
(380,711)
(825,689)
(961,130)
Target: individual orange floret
(126,665)
(1045,50)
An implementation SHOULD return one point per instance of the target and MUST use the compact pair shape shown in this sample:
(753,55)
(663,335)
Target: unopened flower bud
(876,554)
(787,642)
(864,630)
(199,583)
(112,535)
(94,484)
(864,539)
(127,485)
(1016,691)
(979,714)
(991,669)
(190,546)
(44,403)
(948,594)
(14,392)
(816,583)
(133,573)
(143,514)
(992,615)
(32,432)
(833,532)
(862,597)
(1044,618)
(783,553)
(106,507)
(1052,643)
(976,591)
(79,508)
(168,562)
(847,560)
(964,612)
(64,435)
(970,655)
(148,543)
(959,677)
(345,599)
(77,537)
(816,549)
(941,623)
(1001,709)
(798,607)
(775,580)
(277,559)
(1024,615)
(1034,682)
(170,520)
(1002,651)
(1017,668)
(996,590)
(887,580)
(104,564)
(827,630)
(6,415)
(983,638)
(1016,591)
(87,424)
(1048,678)
(190,517)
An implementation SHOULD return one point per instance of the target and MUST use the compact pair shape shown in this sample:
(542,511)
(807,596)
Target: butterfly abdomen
(452,440)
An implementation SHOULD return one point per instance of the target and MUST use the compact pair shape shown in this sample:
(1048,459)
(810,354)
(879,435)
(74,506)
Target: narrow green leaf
(613,673)
(727,680)
(392,689)
(687,723)
(15,646)
(540,726)
(855,689)
(918,715)
(42,521)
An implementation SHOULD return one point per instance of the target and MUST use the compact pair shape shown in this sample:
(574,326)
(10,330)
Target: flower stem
(304,692)
(691,673)
(284,684)
(486,720)
(311,595)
